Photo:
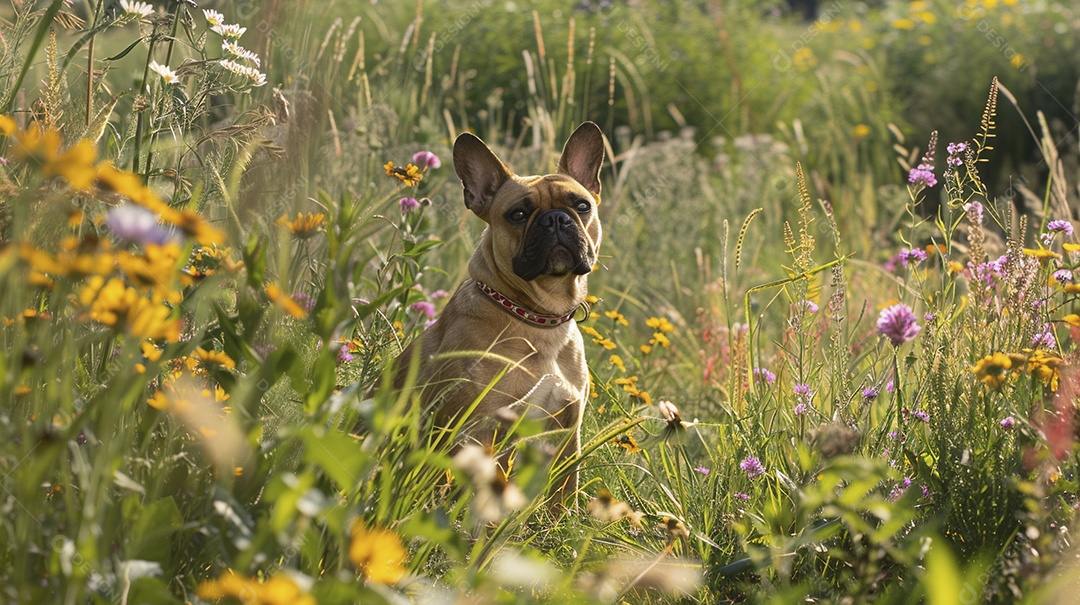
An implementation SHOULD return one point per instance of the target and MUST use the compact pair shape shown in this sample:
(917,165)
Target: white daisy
(257,77)
(213,17)
(136,9)
(166,74)
(229,31)
(236,50)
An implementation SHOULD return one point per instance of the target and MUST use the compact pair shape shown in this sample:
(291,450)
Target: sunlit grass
(824,363)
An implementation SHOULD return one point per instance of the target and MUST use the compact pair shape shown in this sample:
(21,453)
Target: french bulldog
(506,345)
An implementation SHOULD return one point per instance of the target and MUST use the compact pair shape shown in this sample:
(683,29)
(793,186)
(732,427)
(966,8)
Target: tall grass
(204,280)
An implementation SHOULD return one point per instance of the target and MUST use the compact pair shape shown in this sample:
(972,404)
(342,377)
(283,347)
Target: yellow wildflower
(196,227)
(76,258)
(660,324)
(659,339)
(117,305)
(618,362)
(1072,319)
(378,553)
(592,300)
(993,370)
(861,130)
(1044,366)
(150,351)
(1072,288)
(216,358)
(278,590)
(1069,247)
(21,390)
(606,343)
(276,296)
(410,174)
(627,442)
(903,24)
(8,126)
(159,401)
(76,166)
(150,268)
(591,332)
(646,349)
(1041,253)
(618,317)
(305,225)
(35,144)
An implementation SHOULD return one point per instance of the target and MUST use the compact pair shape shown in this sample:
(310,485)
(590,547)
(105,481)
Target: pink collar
(511,307)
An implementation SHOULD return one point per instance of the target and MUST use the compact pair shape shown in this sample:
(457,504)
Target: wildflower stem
(90,81)
(142,114)
(780,282)
(896,389)
(168,56)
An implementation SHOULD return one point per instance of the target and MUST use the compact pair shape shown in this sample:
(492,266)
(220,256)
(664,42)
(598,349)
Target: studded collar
(523,314)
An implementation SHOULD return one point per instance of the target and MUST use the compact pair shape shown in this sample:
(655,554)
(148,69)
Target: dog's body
(528,277)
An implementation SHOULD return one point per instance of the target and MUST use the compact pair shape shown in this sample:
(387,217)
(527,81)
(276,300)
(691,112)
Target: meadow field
(832,336)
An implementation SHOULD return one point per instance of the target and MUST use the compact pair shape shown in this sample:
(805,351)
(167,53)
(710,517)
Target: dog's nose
(555,220)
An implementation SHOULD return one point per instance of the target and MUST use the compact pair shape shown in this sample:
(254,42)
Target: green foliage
(204,408)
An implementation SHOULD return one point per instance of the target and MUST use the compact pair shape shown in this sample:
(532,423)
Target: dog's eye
(583,206)
(517,216)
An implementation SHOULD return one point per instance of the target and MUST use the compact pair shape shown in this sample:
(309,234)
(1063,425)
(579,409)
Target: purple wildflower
(752,466)
(763,375)
(974,212)
(742,496)
(703,470)
(344,355)
(1063,276)
(1007,423)
(440,293)
(922,175)
(957,148)
(870,393)
(1045,339)
(426,159)
(137,224)
(898,324)
(1060,227)
(925,492)
(424,307)
(890,386)
(801,389)
(408,204)
(801,409)
(912,256)
(921,415)
(900,489)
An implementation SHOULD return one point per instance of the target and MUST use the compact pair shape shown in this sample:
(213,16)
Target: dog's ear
(583,155)
(481,172)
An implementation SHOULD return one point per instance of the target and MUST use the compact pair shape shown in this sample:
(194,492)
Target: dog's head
(539,227)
